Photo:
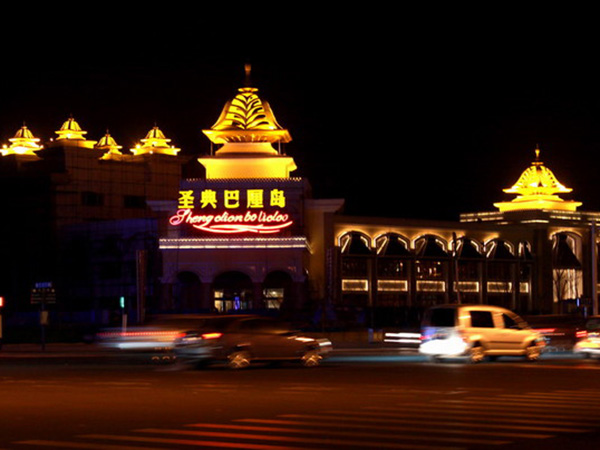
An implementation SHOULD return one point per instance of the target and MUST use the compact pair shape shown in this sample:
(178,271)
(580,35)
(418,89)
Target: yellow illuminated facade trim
(392,285)
(524,287)
(242,243)
(355,285)
(466,286)
(431,286)
(499,287)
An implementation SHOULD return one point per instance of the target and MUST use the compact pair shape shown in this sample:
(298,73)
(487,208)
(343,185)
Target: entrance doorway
(232,291)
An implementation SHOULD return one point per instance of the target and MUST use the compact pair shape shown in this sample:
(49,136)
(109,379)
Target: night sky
(415,114)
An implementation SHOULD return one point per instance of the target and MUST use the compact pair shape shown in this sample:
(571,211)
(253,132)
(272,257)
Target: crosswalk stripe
(428,429)
(196,443)
(468,412)
(498,410)
(245,445)
(392,418)
(469,423)
(405,430)
(83,445)
(514,403)
(401,413)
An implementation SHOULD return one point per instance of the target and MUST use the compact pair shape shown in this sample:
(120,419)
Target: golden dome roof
(537,179)
(536,188)
(23,143)
(155,142)
(247,118)
(71,130)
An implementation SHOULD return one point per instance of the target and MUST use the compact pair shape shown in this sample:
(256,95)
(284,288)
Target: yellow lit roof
(71,130)
(155,142)
(247,118)
(109,145)
(23,143)
(536,188)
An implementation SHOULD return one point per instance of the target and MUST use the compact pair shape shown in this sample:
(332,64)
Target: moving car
(156,336)
(475,332)
(239,341)
(589,343)
(560,331)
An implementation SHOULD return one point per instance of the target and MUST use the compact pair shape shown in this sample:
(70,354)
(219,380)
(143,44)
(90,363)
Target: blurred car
(588,345)
(475,332)
(239,341)
(560,331)
(157,335)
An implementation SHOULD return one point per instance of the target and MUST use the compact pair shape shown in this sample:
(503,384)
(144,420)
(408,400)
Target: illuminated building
(104,222)
(236,238)
(77,206)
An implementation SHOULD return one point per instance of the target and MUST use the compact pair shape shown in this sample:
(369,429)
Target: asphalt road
(351,401)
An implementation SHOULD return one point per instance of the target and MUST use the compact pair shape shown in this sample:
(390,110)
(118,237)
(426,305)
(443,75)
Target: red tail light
(581,334)
(545,330)
(212,335)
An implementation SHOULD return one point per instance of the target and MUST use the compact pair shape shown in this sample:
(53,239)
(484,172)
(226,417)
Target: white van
(476,332)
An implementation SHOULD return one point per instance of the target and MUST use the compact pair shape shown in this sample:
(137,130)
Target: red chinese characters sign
(257,211)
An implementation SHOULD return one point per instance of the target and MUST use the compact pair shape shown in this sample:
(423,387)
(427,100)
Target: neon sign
(241,214)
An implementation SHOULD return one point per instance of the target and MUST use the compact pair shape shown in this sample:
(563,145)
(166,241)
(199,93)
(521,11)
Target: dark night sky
(404,114)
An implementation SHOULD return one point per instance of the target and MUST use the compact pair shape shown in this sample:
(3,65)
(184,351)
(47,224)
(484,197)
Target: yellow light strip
(431,286)
(392,285)
(249,243)
(501,287)
(355,285)
(466,286)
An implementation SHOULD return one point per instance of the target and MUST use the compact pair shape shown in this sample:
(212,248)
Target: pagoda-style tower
(110,147)
(24,144)
(72,135)
(155,142)
(246,131)
(537,189)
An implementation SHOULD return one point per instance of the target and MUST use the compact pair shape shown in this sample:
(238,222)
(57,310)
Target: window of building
(89,198)
(134,201)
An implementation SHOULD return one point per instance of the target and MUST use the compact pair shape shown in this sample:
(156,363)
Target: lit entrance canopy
(536,189)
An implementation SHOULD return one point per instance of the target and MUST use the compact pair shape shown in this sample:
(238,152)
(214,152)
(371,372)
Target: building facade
(101,224)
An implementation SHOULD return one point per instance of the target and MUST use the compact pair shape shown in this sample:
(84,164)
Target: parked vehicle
(588,345)
(476,332)
(239,341)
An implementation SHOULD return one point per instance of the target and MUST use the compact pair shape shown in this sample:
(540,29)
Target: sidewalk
(50,350)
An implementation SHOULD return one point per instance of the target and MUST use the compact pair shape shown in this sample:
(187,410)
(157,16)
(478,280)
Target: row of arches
(431,245)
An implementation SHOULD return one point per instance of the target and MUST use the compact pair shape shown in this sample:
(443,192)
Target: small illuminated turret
(536,188)
(155,142)
(23,143)
(71,134)
(247,130)
(110,147)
